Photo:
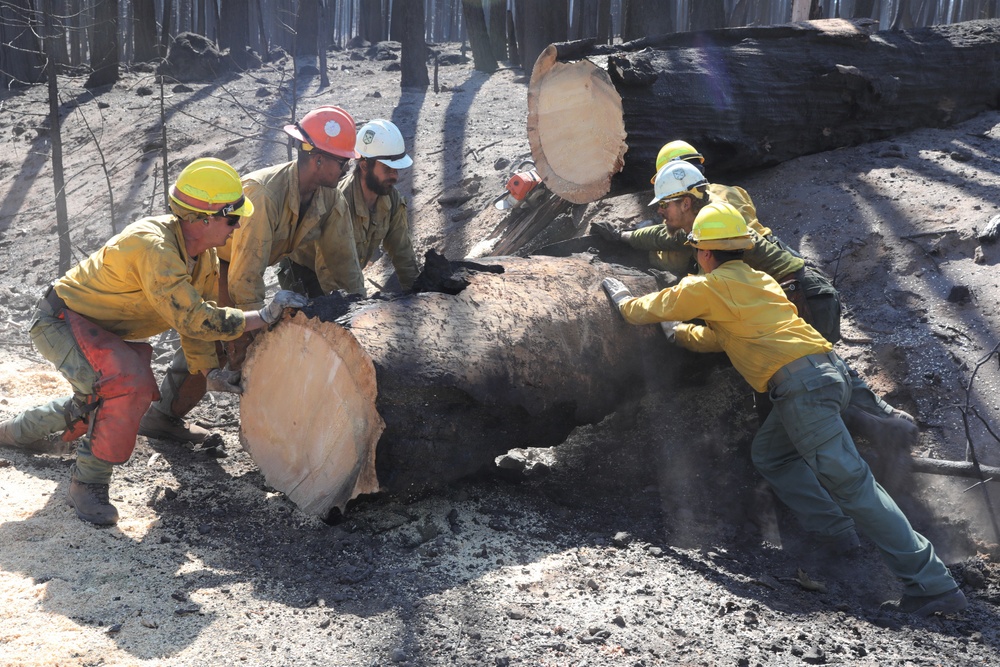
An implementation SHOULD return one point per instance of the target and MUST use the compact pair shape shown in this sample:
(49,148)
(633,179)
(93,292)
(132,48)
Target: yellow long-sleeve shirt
(765,255)
(276,230)
(143,282)
(746,315)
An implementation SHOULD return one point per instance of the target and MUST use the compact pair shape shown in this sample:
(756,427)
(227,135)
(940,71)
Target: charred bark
(479,36)
(413,56)
(20,51)
(544,23)
(104,45)
(748,97)
(145,31)
(493,357)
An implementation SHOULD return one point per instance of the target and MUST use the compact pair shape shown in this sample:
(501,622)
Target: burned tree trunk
(515,355)
(747,97)
(407,393)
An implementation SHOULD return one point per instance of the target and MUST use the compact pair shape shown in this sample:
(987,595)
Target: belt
(794,275)
(799,364)
(54,301)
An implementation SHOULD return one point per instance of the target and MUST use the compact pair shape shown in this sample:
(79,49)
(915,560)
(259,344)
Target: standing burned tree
(104,45)
(19,48)
(413,60)
(479,36)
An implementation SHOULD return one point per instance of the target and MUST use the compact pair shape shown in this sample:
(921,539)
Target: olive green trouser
(54,340)
(807,456)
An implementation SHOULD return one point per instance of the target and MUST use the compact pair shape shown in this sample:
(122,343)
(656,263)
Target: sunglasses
(665,203)
(339,161)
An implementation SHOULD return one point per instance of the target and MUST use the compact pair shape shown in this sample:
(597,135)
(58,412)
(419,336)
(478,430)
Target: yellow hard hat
(676,150)
(719,226)
(209,185)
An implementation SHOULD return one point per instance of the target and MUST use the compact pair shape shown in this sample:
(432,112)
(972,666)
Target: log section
(307,414)
(515,356)
(747,97)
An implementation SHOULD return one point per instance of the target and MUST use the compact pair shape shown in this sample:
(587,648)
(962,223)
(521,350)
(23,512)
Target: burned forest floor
(587,554)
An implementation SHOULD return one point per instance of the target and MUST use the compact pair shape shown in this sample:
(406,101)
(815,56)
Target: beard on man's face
(379,187)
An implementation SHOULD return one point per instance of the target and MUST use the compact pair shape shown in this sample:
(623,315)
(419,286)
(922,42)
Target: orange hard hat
(326,129)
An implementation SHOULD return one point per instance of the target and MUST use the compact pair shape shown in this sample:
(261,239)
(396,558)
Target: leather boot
(897,430)
(183,390)
(91,502)
(949,602)
(155,424)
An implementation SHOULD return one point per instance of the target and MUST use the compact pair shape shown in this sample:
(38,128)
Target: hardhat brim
(245,210)
(294,132)
(657,199)
(210,209)
(737,243)
(402,163)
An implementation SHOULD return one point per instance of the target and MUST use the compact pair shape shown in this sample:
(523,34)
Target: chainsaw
(524,188)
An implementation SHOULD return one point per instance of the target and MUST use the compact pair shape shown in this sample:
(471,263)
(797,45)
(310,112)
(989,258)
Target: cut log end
(575,127)
(307,414)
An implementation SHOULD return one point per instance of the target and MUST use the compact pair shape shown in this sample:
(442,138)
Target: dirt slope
(622,554)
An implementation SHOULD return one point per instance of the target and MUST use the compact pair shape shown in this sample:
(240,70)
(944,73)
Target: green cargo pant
(804,451)
(54,340)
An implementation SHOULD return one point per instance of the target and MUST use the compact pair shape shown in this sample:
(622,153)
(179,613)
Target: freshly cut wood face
(308,415)
(575,127)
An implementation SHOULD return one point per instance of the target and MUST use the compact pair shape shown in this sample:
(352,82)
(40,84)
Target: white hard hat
(676,178)
(380,139)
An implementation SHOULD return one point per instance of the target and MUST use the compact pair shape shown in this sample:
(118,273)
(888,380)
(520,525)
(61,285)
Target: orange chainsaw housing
(523,182)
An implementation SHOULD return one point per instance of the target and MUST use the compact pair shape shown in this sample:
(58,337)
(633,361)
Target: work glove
(606,231)
(670,330)
(271,312)
(616,290)
(219,379)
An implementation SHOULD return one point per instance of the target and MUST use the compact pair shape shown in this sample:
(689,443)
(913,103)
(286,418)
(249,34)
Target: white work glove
(219,379)
(271,312)
(670,330)
(616,290)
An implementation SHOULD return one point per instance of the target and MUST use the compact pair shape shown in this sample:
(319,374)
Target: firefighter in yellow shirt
(159,273)
(803,440)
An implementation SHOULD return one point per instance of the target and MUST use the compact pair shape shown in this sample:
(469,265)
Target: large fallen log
(747,97)
(407,393)
(514,356)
